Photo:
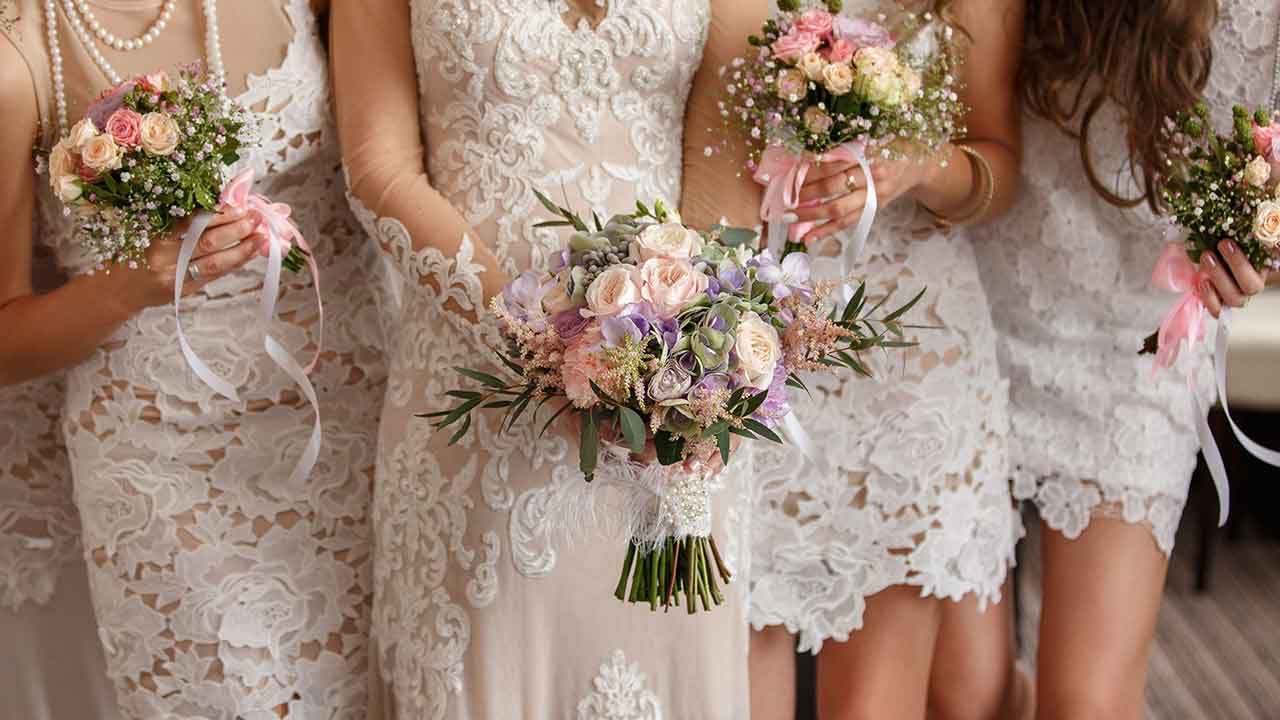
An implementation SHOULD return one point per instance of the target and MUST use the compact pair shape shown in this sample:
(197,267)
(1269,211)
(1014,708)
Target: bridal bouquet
(824,85)
(150,152)
(1218,186)
(663,342)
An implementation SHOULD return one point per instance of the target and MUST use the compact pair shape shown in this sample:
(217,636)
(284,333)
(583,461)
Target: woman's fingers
(225,236)
(834,208)
(831,186)
(1249,280)
(215,265)
(1209,297)
(828,169)
(1211,269)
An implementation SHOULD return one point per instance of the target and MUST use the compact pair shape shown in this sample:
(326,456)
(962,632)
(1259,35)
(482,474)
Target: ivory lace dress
(1093,431)
(479,611)
(918,491)
(220,591)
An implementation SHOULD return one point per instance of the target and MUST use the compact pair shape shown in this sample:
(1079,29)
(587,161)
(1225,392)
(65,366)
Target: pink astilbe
(541,352)
(811,337)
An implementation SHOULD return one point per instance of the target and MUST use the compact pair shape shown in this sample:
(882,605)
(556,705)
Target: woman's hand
(229,242)
(835,192)
(1220,288)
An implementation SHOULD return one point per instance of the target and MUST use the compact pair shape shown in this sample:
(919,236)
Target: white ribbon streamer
(198,225)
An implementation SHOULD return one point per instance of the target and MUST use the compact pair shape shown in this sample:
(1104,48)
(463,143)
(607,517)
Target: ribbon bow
(1185,320)
(282,236)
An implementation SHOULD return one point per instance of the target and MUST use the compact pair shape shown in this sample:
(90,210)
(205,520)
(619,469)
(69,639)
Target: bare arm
(377,105)
(718,186)
(45,333)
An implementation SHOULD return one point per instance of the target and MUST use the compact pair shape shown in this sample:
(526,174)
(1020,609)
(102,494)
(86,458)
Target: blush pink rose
(582,366)
(1263,137)
(815,21)
(670,285)
(840,51)
(125,126)
(795,45)
(861,33)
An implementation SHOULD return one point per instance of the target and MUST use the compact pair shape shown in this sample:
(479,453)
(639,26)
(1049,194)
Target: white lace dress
(918,493)
(220,592)
(478,611)
(1093,431)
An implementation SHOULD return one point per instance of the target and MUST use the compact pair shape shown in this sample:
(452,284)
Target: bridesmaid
(915,524)
(1104,449)
(220,590)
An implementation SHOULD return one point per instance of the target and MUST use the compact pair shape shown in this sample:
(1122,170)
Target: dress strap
(22,24)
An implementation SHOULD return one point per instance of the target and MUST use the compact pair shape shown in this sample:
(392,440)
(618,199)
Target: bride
(450,115)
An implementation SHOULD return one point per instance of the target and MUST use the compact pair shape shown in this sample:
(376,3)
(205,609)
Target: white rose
(68,189)
(668,240)
(878,76)
(613,290)
(812,65)
(101,154)
(61,164)
(838,78)
(1266,223)
(758,350)
(159,134)
(81,133)
(1257,172)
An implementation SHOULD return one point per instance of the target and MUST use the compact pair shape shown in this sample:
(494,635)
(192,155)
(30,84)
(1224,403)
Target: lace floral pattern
(219,591)
(918,492)
(1069,276)
(619,693)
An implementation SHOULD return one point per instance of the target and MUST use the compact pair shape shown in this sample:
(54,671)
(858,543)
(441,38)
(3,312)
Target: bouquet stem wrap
(282,235)
(1185,321)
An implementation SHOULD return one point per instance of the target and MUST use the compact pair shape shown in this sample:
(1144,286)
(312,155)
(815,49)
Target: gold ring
(849,182)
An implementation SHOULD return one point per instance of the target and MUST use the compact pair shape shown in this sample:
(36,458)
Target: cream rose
(1266,223)
(758,350)
(613,290)
(670,285)
(1257,172)
(878,77)
(61,164)
(68,189)
(81,133)
(668,240)
(792,85)
(101,154)
(159,134)
(817,121)
(812,65)
(838,78)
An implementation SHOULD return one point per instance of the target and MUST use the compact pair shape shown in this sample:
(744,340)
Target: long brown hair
(1150,57)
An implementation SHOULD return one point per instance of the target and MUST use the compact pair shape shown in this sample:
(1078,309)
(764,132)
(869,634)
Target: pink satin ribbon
(1185,320)
(783,174)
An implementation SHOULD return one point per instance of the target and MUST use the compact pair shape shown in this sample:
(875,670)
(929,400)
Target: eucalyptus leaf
(633,428)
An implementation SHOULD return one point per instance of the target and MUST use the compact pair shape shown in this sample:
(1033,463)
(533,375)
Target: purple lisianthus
(861,33)
(569,324)
(670,331)
(789,277)
(776,404)
(634,321)
(523,298)
(108,103)
(731,275)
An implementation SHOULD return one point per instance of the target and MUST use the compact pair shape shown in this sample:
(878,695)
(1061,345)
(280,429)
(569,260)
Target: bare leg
(1101,600)
(772,667)
(883,670)
(973,660)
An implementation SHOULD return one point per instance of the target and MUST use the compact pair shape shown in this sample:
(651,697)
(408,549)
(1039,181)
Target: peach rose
(125,126)
(811,65)
(670,285)
(101,154)
(1266,223)
(838,79)
(613,290)
(792,85)
(159,134)
(794,45)
(1257,172)
(81,133)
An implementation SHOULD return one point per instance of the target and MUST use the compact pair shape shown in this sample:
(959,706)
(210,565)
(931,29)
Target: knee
(976,693)
(1088,698)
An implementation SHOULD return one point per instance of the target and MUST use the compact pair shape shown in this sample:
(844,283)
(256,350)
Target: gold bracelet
(988,181)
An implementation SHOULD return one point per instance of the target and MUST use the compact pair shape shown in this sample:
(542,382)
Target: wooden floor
(1217,653)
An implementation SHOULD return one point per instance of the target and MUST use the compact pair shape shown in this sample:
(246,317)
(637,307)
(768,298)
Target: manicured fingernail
(790,218)
(1209,260)
(1204,289)
(1228,248)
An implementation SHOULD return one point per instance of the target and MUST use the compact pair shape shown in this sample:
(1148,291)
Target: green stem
(711,580)
(621,591)
(671,571)
(723,569)
(653,581)
(691,568)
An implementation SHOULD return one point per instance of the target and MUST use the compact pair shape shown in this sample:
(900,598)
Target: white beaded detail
(86,16)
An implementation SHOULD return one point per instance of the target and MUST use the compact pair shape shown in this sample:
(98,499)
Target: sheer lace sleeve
(383,150)
(717,185)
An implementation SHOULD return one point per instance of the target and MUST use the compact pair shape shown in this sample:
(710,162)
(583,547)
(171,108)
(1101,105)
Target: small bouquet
(150,153)
(823,85)
(1217,186)
(657,335)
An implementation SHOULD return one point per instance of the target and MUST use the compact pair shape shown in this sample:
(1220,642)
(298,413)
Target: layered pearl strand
(78,13)
(143,40)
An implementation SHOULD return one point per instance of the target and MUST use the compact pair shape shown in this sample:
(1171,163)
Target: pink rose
(125,126)
(156,82)
(815,21)
(795,45)
(1263,136)
(861,33)
(670,285)
(840,51)
(582,366)
(612,290)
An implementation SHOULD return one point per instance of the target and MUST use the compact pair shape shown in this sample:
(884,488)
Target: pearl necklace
(212,39)
(153,31)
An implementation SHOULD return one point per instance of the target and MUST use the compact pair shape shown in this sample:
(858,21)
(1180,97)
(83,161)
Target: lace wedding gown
(918,494)
(478,611)
(1094,432)
(220,591)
